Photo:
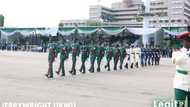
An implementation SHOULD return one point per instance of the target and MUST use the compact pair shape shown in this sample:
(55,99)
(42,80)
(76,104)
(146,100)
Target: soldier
(84,57)
(109,55)
(181,58)
(63,57)
(122,56)
(142,56)
(128,58)
(146,57)
(116,55)
(100,56)
(51,58)
(93,51)
(137,54)
(68,49)
(132,56)
(153,55)
(157,57)
(149,56)
(75,52)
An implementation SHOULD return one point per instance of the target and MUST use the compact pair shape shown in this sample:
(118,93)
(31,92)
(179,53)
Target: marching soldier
(68,49)
(128,58)
(142,56)
(146,57)
(152,56)
(122,56)
(109,55)
(100,56)
(63,57)
(93,51)
(51,58)
(84,57)
(181,58)
(75,52)
(149,56)
(132,57)
(157,57)
(116,54)
(137,54)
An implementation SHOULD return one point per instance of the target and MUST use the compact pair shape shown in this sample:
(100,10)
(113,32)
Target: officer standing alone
(181,58)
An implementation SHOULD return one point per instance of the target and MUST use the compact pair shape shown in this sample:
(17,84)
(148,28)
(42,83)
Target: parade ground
(22,80)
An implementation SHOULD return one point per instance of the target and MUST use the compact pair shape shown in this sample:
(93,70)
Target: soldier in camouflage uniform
(128,58)
(84,57)
(109,55)
(51,58)
(100,56)
(63,57)
(75,52)
(116,54)
(122,56)
(93,51)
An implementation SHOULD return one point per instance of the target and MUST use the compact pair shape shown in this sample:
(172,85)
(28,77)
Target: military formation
(121,56)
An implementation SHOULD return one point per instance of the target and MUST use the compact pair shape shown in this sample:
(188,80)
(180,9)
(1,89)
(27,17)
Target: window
(172,21)
(166,21)
(179,20)
(161,21)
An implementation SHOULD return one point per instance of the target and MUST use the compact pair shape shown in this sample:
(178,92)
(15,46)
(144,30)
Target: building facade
(73,23)
(164,13)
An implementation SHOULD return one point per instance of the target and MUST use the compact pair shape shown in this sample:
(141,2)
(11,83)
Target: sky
(45,13)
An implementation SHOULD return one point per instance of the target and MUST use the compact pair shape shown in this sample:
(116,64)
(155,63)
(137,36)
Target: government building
(163,13)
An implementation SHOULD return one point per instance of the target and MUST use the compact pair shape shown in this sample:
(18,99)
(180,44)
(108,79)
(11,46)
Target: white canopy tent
(141,31)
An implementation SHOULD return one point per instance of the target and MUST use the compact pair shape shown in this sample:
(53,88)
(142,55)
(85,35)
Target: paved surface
(22,80)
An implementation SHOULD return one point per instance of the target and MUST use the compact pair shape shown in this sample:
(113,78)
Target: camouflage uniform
(100,56)
(51,58)
(122,56)
(84,57)
(109,55)
(93,51)
(63,57)
(75,52)
(116,54)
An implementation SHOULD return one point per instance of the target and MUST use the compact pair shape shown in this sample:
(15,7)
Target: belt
(182,72)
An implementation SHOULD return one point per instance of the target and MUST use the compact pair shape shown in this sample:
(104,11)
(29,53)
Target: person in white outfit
(181,58)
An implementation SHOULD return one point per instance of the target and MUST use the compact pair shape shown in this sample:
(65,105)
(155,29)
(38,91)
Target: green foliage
(17,39)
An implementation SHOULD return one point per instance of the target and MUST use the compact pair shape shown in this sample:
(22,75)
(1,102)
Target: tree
(17,38)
